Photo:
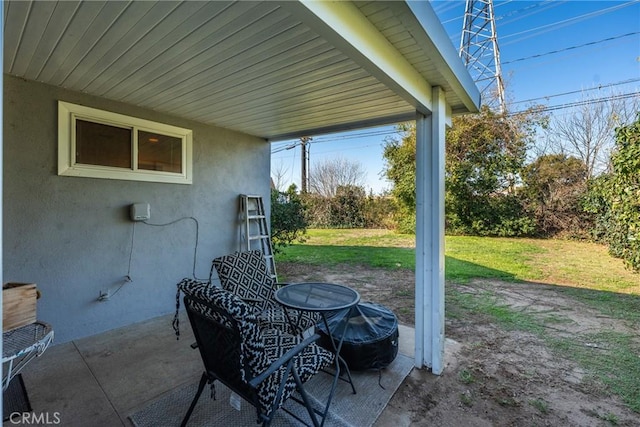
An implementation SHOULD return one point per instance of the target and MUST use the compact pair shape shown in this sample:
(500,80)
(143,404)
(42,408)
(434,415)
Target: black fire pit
(371,340)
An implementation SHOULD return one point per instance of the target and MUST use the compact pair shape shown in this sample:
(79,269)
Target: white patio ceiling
(269,69)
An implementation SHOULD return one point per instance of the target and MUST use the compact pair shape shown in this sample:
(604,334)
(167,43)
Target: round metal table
(322,298)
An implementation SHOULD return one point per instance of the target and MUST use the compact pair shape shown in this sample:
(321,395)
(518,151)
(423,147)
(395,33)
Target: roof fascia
(435,41)
(345,27)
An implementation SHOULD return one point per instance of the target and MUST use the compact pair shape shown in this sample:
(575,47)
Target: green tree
(596,202)
(554,186)
(485,153)
(347,207)
(336,197)
(615,198)
(288,223)
(379,211)
(400,169)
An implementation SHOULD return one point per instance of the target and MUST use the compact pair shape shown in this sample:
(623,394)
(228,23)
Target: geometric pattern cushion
(292,321)
(276,318)
(308,363)
(202,290)
(259,348)
(251,344)
(246,275)
(198,288)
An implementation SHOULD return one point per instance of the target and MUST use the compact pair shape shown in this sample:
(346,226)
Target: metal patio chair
(263,366)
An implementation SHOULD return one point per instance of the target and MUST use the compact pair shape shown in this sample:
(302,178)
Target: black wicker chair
(246,275)
(263,366)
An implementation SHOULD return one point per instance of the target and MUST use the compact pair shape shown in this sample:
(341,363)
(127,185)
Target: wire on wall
(195,249)
(133,235)
(104,296)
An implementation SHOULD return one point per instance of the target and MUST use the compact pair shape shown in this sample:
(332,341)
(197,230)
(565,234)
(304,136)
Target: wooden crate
(18,305)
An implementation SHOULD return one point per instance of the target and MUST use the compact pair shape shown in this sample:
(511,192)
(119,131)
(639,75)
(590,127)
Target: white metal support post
(421,333)
(1,161)
(429,310)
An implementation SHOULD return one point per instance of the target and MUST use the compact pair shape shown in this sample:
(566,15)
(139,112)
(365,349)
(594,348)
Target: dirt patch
(494,376)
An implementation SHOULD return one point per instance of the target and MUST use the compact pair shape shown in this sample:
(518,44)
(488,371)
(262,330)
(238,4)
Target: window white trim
(68,113)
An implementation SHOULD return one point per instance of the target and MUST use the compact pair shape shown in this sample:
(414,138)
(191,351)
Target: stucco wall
(72,236)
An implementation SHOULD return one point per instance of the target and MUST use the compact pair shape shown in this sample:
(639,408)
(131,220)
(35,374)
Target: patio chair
(246,275)
(263,366)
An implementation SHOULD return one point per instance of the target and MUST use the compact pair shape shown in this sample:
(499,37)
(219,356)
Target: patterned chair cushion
(308,363)
(246,275)
(252,346)
(260,348)
(291,321)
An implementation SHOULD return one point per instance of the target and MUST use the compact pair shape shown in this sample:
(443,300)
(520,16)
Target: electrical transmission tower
(479,51)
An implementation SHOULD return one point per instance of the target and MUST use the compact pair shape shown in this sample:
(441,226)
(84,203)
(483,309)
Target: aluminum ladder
(255,231)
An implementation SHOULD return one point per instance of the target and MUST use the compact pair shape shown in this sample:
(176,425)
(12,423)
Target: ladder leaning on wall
(255,230)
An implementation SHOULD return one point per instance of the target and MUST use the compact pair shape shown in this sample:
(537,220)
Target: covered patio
(104,379)
(232,76)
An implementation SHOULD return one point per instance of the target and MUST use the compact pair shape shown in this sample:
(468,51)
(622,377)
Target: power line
(548,4)
(542,109)
(358,147)
(591,101)
(545,63)
(340,150)
(578,91)
(571,48)
(364,134)
(544,28)
(580,103)
(334,138)
(445,6)
(286,147)
(559,24)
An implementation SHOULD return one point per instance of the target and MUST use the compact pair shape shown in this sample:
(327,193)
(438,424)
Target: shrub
(288,223)
(615,198)
(554,186)
(624,205)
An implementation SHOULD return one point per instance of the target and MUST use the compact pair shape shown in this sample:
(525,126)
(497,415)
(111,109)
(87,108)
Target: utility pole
(305,142)
(480,53)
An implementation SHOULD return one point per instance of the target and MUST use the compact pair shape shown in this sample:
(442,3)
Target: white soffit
(274,70)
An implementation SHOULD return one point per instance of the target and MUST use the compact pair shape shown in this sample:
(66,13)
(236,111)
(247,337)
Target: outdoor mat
(374,390)
(15,400)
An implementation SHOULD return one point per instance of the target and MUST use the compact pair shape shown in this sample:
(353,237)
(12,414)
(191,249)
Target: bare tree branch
(279,173)
(587,132)
(325,177)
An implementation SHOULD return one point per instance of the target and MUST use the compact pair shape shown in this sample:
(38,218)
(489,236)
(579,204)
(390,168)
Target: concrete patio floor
(101,380)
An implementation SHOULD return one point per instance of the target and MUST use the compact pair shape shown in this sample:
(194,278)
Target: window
(100,144)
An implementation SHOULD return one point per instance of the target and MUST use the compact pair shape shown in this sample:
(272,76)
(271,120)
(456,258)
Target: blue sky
(547,48)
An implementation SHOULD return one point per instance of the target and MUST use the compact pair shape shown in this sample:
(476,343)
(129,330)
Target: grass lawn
(584,271)
(570,263)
